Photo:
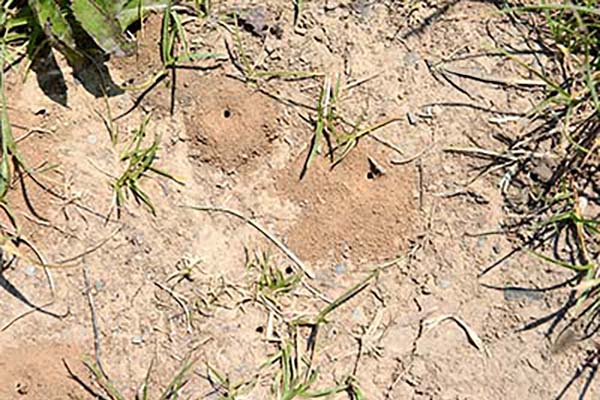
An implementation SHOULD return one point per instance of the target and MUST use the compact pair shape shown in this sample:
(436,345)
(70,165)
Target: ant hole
(289,270)
(227,113)
(370,175)
(260,329)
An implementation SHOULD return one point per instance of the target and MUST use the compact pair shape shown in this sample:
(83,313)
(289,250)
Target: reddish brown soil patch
(229,123)
(346,213)
(147,54)
(37,148)
(38,372)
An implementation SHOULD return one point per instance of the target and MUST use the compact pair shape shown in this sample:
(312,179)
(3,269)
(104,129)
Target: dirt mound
(38,372)
(229,124)
(348,212)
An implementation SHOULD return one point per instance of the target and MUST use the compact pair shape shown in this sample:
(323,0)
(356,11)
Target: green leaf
(100,22)
(52,21)
(131,11)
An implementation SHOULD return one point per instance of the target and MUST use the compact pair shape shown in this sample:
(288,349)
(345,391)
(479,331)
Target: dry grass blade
(473,337)
(262,230)
(182,302)
(320,125)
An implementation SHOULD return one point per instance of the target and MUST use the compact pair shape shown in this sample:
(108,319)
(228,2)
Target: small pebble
(99,285)
(481,241)
(331,5)
(356,314)
(22,388)
(517,294)
(412,58)
(30,270)
(138,240)
(412,119)
(39,110)
(443,283)
(138,339)
(340,268)
(300,31)
(92,139)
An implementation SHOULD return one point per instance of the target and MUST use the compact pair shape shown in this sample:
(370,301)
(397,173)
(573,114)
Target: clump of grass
(338,142)
(564,139)
(292,371)
(225,388)
(171,392)
(272,281)
(175,52)
(140,162)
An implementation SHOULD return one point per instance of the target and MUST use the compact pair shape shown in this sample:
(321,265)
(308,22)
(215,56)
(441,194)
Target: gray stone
(518,294)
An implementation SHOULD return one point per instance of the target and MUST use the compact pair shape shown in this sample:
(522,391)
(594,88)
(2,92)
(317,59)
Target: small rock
(443,283)
(331,5)
(356,315)
(22,388)
(481,241)
(340,268)
(543,170)
(517,294)
(254,21)
(39,110)
(138,240)
(30,270)
(137,339)
(99,285)
(300,30)
(412,119)
(496,248)
(362,7)
(92,139)
(411,58)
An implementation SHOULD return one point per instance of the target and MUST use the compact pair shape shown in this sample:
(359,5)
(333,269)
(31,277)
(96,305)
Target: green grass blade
(356,289)
(112,392)
(178,381)
(578,268)
(166,50)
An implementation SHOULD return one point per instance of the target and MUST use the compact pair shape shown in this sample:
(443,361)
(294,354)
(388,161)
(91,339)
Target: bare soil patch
(348,212)
(38,371)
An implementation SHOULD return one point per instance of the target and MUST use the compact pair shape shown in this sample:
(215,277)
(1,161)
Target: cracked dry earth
(242,146)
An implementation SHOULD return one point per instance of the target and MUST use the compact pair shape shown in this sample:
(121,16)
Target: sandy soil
(242,146)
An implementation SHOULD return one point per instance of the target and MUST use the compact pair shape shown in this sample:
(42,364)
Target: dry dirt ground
(242,146)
